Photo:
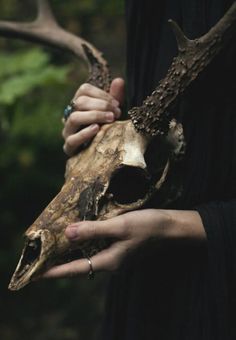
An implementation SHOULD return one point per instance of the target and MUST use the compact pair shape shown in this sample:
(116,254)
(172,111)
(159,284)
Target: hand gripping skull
(128,161)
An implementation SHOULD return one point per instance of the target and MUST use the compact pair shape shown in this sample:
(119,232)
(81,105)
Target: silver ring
(68,110)
(91,272)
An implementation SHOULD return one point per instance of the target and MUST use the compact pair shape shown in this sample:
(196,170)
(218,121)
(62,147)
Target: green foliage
(22,72)
(35,86)
(30,123)
(26,61)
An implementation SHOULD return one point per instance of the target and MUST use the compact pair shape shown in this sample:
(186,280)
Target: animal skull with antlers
(115,173)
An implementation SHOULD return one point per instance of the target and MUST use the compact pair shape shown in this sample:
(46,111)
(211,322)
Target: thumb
(117,89)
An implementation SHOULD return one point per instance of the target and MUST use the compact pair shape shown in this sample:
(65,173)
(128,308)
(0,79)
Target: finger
(68,269)
(106,260)
(93,91)
(81,118)
(86,230)
(75,140)
(85,103)
(110,259)
(117,90)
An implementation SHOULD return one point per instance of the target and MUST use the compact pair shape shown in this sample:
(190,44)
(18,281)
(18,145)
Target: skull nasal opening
(129,184)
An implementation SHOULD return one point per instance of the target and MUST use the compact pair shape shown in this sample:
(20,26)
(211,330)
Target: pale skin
(131,230)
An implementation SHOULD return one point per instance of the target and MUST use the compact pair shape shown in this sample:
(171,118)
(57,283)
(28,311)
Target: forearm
(182,224)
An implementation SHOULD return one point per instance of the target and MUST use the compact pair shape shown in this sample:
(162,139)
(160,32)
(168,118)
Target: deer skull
(108,178)
(116,173)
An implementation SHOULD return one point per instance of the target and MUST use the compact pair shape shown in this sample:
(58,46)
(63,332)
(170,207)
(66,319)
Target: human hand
(93,106)
(129,231)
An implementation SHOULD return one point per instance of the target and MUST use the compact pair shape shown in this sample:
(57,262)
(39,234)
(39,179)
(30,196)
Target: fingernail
(71,232)
(109,117)
(115,102)
(94,127)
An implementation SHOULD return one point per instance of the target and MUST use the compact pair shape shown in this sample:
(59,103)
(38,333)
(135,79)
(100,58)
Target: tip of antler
(181,39)
(45,13)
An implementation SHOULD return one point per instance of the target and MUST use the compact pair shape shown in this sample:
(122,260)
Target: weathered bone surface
(113,175)
(105,180)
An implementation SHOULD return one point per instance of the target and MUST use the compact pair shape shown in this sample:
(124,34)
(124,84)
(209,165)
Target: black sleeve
(219,220)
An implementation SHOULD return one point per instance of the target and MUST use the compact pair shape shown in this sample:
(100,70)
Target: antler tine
(45,30)
(45,14)
(154,116)
(182,40)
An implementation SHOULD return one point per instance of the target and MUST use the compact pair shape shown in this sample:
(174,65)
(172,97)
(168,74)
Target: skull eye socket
(128,184)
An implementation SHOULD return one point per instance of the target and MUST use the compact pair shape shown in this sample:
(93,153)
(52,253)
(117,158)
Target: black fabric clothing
(174,291)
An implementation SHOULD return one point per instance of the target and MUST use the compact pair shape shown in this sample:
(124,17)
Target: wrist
(181,224)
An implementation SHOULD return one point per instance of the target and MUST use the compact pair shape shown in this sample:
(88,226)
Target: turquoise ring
(68,110)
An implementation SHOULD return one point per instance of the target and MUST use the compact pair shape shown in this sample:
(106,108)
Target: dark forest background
(36,84)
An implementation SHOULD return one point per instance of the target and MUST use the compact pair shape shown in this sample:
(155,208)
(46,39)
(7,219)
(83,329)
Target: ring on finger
(91,271)
(68,110)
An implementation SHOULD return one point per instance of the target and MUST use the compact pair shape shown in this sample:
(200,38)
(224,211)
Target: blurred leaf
(27,71)
(23,61)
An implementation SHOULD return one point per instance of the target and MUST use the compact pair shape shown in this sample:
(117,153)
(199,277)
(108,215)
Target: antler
(87,192)
(153,117)
(46,30)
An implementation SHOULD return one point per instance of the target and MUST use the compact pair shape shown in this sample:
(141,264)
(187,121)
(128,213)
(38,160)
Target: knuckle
(107,105)
(85,87)
(70,143)
(80,101)
(73,120)
(66,151)
(63,133)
